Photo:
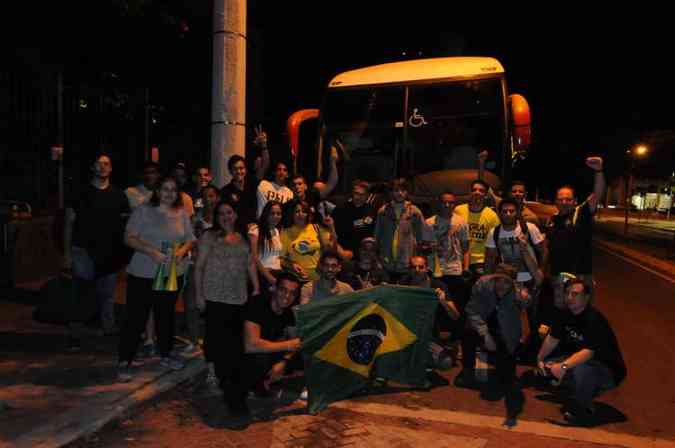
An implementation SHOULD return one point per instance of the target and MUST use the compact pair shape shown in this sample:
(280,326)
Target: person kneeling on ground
(447,314)
(591,360)
(270,345)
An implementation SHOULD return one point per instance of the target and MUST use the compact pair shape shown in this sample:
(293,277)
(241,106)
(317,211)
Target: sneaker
(171,363)
(191,349)
(378,382)
(466,379)
(73,344)
(124,373)
(304,395)
(578,416)
(578,419)
(239,416)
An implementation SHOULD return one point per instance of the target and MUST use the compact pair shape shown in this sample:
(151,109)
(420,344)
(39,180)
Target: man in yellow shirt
(481,220)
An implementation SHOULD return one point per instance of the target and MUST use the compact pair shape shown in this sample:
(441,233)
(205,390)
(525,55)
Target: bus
(425,120)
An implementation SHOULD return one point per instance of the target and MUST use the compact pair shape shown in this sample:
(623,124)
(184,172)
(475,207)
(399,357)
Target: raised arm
(327,188)
(262,163)
(596,164)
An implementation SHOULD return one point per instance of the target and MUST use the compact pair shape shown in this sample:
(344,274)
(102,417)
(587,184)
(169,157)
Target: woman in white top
(265,243)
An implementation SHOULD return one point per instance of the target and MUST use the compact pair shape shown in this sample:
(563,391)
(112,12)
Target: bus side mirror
(522,124)
(293,127)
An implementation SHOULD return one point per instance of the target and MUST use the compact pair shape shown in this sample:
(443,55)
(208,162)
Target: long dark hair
(291,216)
(264,229)
(154,200)
(239,227)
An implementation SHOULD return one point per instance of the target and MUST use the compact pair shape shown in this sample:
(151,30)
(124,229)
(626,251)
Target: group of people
(244,255)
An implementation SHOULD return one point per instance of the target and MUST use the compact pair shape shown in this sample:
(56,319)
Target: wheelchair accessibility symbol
(416,120)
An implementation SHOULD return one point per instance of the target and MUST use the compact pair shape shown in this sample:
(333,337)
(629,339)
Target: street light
(631,153)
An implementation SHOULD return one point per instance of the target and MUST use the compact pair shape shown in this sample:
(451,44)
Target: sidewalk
(650,243)
(52,396)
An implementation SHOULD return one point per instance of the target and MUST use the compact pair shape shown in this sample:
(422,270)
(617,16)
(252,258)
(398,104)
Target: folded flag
(379,332)
(166,276)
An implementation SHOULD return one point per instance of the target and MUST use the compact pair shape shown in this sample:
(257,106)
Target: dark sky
(596,82)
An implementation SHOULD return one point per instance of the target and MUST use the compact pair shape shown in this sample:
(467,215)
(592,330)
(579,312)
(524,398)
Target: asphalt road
(639,305)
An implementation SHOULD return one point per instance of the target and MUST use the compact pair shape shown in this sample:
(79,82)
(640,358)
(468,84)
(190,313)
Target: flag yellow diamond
(374,331)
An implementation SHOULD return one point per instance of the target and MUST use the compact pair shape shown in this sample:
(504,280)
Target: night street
(638,304)
(298,224)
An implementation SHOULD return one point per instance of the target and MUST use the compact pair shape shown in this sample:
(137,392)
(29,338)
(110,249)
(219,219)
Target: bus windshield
(444,126)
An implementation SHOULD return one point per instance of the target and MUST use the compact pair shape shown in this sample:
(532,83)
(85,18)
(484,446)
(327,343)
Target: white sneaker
(124,373)
(171,363)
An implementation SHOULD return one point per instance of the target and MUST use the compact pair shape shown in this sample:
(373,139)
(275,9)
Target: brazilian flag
(378,332)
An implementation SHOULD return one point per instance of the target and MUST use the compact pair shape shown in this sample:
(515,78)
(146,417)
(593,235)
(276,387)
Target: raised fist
(594,163)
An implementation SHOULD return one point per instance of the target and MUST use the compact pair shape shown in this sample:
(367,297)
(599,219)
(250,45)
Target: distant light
(403,53)
(641,150)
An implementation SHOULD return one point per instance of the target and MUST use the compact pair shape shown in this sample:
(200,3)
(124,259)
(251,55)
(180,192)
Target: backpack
(64,300)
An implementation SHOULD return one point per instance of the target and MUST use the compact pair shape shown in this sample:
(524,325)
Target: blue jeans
(587,381)
(83,268)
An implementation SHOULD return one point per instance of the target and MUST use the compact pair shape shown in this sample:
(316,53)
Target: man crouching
(590,360)
(269,343)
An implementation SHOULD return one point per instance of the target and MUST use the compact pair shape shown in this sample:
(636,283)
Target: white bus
(422,119)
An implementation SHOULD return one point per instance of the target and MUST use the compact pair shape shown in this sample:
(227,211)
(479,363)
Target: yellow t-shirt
(302,246)
(480,225)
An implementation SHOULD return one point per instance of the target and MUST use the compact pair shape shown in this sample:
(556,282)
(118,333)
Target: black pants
(504,362)
(256,366)
(458,293)
(140,300)
(224,346)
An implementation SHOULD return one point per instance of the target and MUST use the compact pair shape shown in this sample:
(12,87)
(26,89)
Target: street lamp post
(631,153)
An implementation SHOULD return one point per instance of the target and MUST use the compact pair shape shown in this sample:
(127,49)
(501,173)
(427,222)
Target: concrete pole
(228,91)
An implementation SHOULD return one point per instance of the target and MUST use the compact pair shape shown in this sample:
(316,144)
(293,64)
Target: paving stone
(355,431)
(330,433)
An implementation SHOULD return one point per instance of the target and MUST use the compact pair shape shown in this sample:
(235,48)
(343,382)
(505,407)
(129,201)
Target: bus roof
(418,70)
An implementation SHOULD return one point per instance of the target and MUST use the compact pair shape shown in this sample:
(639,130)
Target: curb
(69,426)
(664,268)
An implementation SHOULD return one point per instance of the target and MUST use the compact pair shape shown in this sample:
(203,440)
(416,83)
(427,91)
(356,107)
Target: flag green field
(379,332)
